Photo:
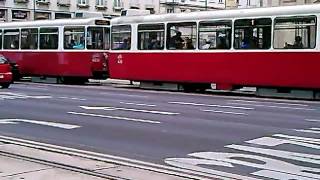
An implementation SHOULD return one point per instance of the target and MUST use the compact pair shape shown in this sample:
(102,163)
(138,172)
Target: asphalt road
(244,137)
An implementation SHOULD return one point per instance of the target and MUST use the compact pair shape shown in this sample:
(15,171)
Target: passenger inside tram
(296,45)
(176,41)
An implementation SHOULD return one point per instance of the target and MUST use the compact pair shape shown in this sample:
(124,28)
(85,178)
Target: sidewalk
(20,162)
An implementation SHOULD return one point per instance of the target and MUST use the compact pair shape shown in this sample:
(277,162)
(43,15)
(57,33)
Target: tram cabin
(263,47)
(72,50)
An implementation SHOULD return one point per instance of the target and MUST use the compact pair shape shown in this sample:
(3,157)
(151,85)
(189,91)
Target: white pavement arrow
(52,124)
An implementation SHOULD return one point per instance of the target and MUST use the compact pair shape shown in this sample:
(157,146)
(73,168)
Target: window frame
(58,38)
(112,36)
(3,39)
(168,34)
(108,37)
(84,36)
(264,25)
(158,30)
(214,21)
(297,17)
(38,37)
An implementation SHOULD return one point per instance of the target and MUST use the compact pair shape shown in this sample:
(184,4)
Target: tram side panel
(60,64)
(258,69)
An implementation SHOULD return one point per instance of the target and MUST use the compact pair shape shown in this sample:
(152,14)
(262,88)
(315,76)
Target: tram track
(114,160)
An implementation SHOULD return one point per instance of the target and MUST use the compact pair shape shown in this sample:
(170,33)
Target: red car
(5,73)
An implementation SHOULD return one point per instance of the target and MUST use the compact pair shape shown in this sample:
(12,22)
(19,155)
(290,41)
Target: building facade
(22,10)
(175,6)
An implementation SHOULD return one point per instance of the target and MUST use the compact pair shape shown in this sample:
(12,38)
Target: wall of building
(19,10)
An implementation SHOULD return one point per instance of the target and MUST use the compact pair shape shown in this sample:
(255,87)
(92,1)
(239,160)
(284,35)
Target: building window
(215,35)
(74,38)
(295,33)
(62,16)
(151,36)
(181,35)
(49,38)
(170,10)
(117,3)
(42,15)
(121,37)
(3,15)
(82,2)
(29,38)
(18,15)
(100,2)
(252,33)
(11,39)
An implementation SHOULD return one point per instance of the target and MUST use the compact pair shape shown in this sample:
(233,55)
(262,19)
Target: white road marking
(313,120)
(289,104)
(312,140)
(128,95)
(138,104)
(9,95)
(211,105)
(115,117)
(271,106)
(45,123)
(310,130)
(302,157)
(264,163)
(224,112)
(73,98)
(128,109)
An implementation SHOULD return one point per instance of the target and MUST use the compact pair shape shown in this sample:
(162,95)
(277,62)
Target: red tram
(273,47)
(72,50)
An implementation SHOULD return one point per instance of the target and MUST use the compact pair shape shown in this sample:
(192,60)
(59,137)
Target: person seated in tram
(222,44)
(80,45)
(206,44)
(296,45)
(154,43)
(189,44)
(125,45)
(176,42)
(245,44)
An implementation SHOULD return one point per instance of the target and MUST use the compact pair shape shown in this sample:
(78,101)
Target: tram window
(181,35)
(150,36)
(0,39)
(252,33)
(295,32)
(121,37)
(74,38)
(29,38)
(11,39)
(49,38)
(215,35)
(98,38)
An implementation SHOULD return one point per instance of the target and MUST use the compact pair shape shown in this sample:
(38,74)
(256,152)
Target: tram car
(72,50)
(276,48)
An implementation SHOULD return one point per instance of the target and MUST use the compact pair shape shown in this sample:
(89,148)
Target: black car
(14,68)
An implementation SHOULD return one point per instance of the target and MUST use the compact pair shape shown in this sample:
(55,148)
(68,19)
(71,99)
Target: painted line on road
(289,104)
(271,106)
(211,105)
(73,98)
(128,95)
(45,123)
(313,120)
(311,130)
(224,112)
(115,117)
(128,109)
(298,138)
(138,104)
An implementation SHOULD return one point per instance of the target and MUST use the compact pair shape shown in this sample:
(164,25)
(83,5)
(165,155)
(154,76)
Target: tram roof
(221,14)
(48,23)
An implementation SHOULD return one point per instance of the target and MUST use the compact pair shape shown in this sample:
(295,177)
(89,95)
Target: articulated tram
(72,50)
(274,47)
